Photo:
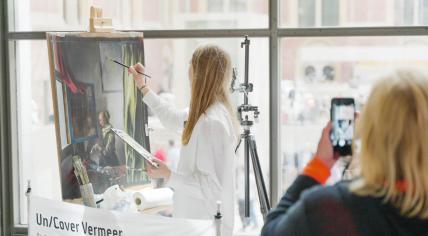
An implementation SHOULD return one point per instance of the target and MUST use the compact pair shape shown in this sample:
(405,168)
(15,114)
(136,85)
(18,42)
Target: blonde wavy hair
(393,130)
(211,74)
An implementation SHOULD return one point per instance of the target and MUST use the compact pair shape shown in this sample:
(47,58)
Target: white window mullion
(318,13)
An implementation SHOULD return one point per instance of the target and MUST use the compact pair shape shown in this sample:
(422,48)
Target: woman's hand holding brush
(137,70)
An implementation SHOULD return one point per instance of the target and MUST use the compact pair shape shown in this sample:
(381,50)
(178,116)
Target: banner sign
(48,218)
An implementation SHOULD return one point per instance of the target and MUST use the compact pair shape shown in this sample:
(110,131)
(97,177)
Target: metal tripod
(250,148)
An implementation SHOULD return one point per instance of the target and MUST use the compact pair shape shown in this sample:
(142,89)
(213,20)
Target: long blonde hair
(211,70)
(394,143)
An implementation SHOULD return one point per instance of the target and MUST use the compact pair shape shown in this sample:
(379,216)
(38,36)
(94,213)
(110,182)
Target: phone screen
(343,119)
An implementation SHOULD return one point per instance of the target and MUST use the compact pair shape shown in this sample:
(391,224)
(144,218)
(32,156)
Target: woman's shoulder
(214,125)
(216,116)
(339,200)
(367,213)
(321,193)
(338,193)
(216,111)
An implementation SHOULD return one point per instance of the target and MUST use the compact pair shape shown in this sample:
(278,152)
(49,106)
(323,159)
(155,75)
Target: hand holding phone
(325,150)
(343,121)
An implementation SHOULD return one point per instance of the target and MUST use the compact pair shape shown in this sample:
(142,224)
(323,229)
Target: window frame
(9,182)
(274,33)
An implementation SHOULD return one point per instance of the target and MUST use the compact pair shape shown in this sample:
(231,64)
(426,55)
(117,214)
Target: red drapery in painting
(62,72)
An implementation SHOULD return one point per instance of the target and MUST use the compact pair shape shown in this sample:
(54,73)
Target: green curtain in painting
(134,116)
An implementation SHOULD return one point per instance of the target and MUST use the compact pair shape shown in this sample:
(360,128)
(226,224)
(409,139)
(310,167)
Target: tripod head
(245,88)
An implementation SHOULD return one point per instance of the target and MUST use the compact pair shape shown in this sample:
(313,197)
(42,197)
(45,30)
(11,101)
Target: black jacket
(334,210)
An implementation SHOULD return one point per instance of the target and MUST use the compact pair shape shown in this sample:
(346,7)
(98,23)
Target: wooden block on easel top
(99,24)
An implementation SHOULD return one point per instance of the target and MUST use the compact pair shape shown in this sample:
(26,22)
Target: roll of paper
(150,198)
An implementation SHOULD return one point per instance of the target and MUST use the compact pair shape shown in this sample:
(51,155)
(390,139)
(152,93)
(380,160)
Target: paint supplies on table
(85,186)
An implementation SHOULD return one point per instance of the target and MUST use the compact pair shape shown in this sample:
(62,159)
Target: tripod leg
(247,176)
(261,187)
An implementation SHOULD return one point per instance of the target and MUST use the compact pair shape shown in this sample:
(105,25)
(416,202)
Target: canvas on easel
(91,95)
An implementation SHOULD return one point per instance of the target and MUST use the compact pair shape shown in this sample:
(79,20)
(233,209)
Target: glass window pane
(406,15)
(314,70)
(69,15)
(307,13)
(352,13)
(329,16)
(167,62)
(35,129)
(423,12)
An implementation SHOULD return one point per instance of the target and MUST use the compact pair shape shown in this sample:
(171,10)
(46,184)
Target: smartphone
(342,115)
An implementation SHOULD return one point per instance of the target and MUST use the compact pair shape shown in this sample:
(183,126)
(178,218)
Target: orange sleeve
(317,170)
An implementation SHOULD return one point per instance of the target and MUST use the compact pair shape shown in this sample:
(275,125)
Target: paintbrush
(119,63)
(80,171)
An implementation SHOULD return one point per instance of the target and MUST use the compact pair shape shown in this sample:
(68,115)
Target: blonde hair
(211,67)
(394,143)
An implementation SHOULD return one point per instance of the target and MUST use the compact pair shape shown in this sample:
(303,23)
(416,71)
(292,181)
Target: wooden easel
(100,30)
(99,24)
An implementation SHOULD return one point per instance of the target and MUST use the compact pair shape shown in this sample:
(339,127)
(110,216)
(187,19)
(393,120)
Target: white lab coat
(205,172)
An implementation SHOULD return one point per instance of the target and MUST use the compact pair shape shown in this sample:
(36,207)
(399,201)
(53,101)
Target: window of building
(330,13)
(314,70)
(352,13)
(64,15)
(215,5)
(307,13)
